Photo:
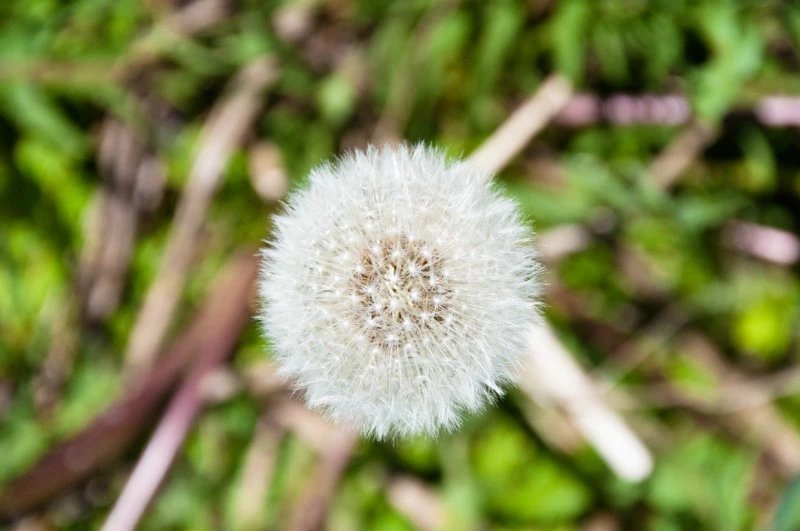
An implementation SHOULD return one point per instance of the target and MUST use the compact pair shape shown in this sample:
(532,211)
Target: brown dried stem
(211,335)
(311,510)
(188,400)
(758,421)
(226,128)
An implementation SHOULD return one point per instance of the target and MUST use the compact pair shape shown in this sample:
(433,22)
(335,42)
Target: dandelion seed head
(397,290)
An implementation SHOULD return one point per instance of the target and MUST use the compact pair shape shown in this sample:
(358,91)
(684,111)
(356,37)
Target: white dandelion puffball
(398,289)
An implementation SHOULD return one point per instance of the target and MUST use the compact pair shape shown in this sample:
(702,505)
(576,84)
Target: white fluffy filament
(398,290)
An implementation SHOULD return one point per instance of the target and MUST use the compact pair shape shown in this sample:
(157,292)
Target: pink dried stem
(189,399)
(211,335)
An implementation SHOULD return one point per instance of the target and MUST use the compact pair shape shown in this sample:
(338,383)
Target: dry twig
(189,399)
(310,511)
(215,328)
(256,474)
(523,124)
(679,154)
(417,502)
(227,125)
(767,243)
(133,182)
(553,377)
(550,374)
(761,423)
(668,109)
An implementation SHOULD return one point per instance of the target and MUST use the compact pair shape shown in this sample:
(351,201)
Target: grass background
(448,72)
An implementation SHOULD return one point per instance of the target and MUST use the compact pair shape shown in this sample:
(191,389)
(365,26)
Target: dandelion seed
(432,303)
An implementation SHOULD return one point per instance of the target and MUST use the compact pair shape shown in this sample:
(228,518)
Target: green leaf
(760,170)
(568,31)
(92,387)
(420,453)
(708,477)
(521,483)
(337,98)
(698,213)
(34,112)
(503,21)
(787,518)
(765,327)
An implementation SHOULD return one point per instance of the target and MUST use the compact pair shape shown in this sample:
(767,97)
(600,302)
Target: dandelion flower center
(400,292)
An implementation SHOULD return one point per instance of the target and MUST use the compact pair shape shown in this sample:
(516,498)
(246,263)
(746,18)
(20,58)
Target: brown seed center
(399,290)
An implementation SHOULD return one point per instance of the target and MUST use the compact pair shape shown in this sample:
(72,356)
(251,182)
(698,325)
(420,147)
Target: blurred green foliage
(447,73)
